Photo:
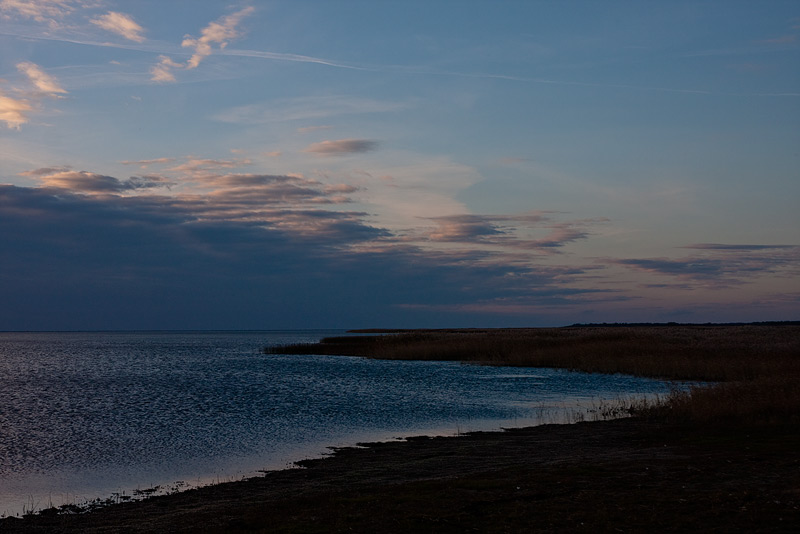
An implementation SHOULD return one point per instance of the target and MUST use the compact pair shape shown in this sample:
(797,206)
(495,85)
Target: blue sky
(199,164)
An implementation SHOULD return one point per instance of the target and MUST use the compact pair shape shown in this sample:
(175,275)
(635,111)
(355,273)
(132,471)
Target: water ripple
(85,414)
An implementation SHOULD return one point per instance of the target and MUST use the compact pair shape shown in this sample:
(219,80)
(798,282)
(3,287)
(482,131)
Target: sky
(199,164)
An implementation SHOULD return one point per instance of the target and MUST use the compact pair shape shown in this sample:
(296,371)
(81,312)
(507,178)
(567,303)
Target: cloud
(219,32)
(560,235)
(39,10)
(692,268)
(510,231)
(13,111)
(226,260)
(44,171)
(162,71)
(342,146)
(340,188)
(200,168)
(464,228)
(718,246)
(93,183)
(722,266)
(88,250)
(224,30)
(257,190)
(232,196)
(40,79)
(408,188)
(144,163)
(121,24)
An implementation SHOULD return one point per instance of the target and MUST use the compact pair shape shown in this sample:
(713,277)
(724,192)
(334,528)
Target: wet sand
(628,475)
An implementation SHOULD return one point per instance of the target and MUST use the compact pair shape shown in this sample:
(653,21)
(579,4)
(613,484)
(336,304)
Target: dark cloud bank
(100,261)
(87,251)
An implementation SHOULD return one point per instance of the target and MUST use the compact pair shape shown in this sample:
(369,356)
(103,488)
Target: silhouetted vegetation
(717,353)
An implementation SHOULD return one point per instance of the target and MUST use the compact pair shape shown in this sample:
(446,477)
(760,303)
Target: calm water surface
(84,415)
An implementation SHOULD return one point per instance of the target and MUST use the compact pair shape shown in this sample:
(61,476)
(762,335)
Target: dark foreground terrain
(628,475)
(724,458)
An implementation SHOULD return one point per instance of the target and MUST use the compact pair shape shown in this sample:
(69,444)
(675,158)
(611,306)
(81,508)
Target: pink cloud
(41,80)
(219,32)
(14,111)
(121,24)
(39,10)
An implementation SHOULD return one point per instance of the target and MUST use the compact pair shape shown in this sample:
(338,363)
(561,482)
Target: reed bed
(766,401)
(712,353)
(757,366)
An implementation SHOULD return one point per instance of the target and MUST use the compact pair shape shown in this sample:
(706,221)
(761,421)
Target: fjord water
(85,415)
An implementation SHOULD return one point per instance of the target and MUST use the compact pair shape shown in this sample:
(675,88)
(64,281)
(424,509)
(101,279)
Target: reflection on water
(84,415)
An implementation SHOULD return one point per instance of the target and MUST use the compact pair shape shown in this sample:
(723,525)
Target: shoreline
(547,415)
(632,473)
(722,457)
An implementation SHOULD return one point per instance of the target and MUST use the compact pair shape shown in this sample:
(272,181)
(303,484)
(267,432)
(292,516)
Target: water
(85,415)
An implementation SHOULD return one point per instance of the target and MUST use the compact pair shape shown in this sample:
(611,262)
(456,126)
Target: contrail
(297,58)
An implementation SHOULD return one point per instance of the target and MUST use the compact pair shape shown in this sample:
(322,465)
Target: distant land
(574,325)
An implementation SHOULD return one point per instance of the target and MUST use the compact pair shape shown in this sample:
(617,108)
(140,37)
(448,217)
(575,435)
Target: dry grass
(766,401)
(758,365)
(715,353)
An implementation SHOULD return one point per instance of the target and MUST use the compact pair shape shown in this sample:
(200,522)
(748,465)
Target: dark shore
(679,467)
(628,475)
